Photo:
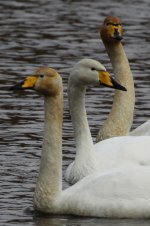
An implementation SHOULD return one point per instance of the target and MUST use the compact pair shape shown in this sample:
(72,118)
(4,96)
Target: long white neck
(83,139)
(49,184)
(120,118)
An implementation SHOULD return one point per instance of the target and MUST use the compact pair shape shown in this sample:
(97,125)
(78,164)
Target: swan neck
(49,184)
(118,56)
(120,118)
(83,138)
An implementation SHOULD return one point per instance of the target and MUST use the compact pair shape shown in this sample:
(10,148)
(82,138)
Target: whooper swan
(120,119)
(120,193)
(106,154)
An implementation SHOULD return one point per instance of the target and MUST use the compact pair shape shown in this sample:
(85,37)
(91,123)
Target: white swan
(119,121)
(90,158)
(120,193)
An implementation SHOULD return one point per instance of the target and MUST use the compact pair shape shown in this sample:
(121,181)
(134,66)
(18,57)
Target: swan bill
(28,83)
(117,34)
(106,80)
(116,85)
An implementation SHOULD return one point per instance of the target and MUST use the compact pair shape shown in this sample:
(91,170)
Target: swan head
(111,30)
(91,72)
(45,80)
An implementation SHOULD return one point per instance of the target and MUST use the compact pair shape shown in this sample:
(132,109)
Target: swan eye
(41,76)
(93,69)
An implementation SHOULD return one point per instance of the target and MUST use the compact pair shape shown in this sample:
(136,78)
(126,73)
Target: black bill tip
(117,35)
(17,86)
(116,85)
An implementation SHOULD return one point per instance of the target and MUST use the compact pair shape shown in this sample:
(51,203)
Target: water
(58,33)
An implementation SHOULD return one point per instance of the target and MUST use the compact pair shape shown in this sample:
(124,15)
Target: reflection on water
(58,34)
(76,221)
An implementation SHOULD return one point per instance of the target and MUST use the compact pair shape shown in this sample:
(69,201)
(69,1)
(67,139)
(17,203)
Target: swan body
(105,154)
(121,193)
(143,129)
(120,118)
(110,154)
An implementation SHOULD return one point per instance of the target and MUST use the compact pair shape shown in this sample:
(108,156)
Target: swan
(101,156)
(119,122)
(123,192)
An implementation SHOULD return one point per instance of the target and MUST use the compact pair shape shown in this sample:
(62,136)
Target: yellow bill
(29,82)
(106,80)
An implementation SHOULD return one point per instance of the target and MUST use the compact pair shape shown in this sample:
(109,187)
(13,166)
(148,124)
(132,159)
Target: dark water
(58,33)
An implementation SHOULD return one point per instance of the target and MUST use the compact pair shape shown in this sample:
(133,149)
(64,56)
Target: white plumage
(106,154)
(123,192)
